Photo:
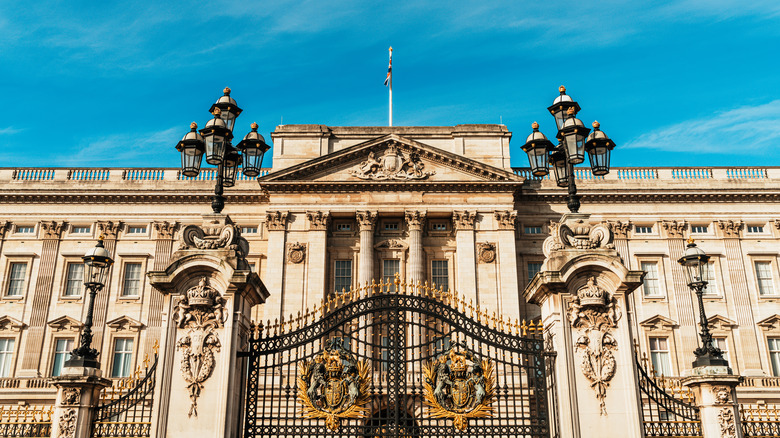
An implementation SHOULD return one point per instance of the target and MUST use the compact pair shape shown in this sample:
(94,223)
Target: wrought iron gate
(408,361)
(663,413)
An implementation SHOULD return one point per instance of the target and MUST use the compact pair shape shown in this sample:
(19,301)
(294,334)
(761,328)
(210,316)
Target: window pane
(712,285)
(389,269)
(764,277)
(343,276)
(440,274)
(774,355)
(6,354)
(659,356)
(533,269)
(651,284)
(723,346)
(62,349)
(74,279)
(16,279)
(123,353)
(132,284)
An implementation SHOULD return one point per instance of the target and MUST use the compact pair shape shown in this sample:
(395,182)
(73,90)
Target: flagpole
(390,83)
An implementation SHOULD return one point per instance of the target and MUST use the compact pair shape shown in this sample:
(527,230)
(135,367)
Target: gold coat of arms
(333,386)
(458,385)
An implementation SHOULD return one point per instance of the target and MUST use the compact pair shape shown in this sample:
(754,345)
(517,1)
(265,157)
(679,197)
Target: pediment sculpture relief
(393,164)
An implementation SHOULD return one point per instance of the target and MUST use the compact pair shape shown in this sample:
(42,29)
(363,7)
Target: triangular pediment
(11,324)
(771,323)
(64,323)
(658,322)
(719,322)
(387,161)
(124,323)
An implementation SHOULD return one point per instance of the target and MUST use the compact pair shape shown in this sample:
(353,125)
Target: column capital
(415,220)
(675,229)
(4,226)
(619,228)
(506,219)
(366,219)
(165,230)
(109,229)
(318,220)
(52,229)
(276,220)
(731,228)
(464,220)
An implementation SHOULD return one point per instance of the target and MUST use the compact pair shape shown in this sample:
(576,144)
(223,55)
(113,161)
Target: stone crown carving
(52,230)
(415,219)
(296,252)
(575,232)
(366,220)
(619,229)
(165,230)
(393,164)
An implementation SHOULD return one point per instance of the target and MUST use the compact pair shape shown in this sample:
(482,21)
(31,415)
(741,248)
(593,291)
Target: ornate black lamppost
(215,142)
(696,264)
(97,261)
(573,142)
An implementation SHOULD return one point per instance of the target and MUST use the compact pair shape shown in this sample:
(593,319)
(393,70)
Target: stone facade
(345,205)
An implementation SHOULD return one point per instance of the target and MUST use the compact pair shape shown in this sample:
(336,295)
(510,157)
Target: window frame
(6,280)
(252,230)
(668,352)
(700,231)
(448,274)
(433,223)
(18,227)
(11,356)
(336,276)
(757,229)
(391,277)
(775,367)
(637,232)
(76,230)
(714,271)
(528,264)
(660,278)
(130,355)
(65,277)
(526,229)
(130,227)
(54,352)
(141,279)
(773,277)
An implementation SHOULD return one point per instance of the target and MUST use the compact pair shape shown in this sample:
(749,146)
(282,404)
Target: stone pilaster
(466,281)
(746,333)
(686,314)
(78,393)
(50,234)
(163,247)
(366,221)
(415,221)
(508,300)
(715,393)
(620,231)
(276,222)
(110,232)
(318,258)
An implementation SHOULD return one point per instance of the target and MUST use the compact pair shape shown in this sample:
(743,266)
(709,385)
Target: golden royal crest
(459,386)
(333,386)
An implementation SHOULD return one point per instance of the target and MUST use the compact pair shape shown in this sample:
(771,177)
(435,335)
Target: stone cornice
(396,186)
(126,198)
(657,197)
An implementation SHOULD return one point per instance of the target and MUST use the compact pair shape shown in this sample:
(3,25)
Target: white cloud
(10,130)
(748,129)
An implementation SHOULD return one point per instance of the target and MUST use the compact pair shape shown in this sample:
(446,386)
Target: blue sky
(683,83)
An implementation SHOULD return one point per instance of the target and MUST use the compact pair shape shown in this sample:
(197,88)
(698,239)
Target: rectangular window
(343,276)
(391,226)
(74,279)
(343,226)
(62,349)
(712,284)
(533,269)
(16,278)
(132,282)
(440,274)
(723,345)
(80,230)
(651,285)
(6,355)
(23,229)
(136,230)
(774,355)
(659,356)
(390,267)
(641,229)
(699,229)
(755,229)
(764,277)
(439,226)
(533,230)
(248,230)
(123,353)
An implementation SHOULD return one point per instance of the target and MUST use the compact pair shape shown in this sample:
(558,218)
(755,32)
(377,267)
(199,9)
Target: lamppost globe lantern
(230,167)
(191,147)
(696,264)
(574,133)
(599,146)
(253,147)
(216,135)
(560,167)
(228,108)
(97,261)
(537,146)
(561,106)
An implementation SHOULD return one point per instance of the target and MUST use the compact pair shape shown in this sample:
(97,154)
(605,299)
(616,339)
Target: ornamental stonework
(52,229)
(366,220)
(276,220)
(486,252)
(296,252)
(4,226)
(506,219)
(675,229)
(165,230)
(415,220)
(730,228)
(619,229)
(71,396)
(464,220)
(318,221)
(393,164)
(109,229)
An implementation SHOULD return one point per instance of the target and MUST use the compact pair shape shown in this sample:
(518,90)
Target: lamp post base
(709,360)
(78,361)
(217,203)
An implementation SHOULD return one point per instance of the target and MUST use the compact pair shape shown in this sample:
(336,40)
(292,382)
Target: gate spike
(156,347)
(276,326)
(146,360)
(259,330)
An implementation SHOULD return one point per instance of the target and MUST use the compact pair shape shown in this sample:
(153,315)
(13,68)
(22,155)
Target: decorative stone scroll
(459,386)
(730,228)
(486,252)
(506,219)
(392,165)
(574,232)
(595,313)
(276,220)
(366,220)
(296,252)
(52,230)
(675,229)
(67,424)
(318,221)
(619,229)
(217,232)
(391,244)
(109,229)
(464,220)
(200,311)
(415,219)
(165,230)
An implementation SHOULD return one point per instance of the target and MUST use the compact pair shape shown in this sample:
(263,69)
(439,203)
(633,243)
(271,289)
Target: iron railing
(25,421)
(667,411)
(760,421)
(126,410)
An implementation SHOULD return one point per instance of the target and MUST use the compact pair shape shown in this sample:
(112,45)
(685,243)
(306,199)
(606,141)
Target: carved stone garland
(67,424)
(200,311)
(595,313)
(392,165)
(726,421)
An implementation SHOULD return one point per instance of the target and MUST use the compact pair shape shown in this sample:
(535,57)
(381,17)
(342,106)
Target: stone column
(78,393)
(276,222)
(715,393)
(209,291)
(366,221)
(583,290)
(415,220)
(466,266)
(743,304)
(51,232)
(509,289)
(318,257)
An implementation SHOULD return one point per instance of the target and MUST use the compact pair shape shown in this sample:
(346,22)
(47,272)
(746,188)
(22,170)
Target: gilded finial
(535,126)
(193,126)
(226,91)
(690,240)
(217,112)
(562,89)
(570,111)
(156,347)
(254,126)
(596,124)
